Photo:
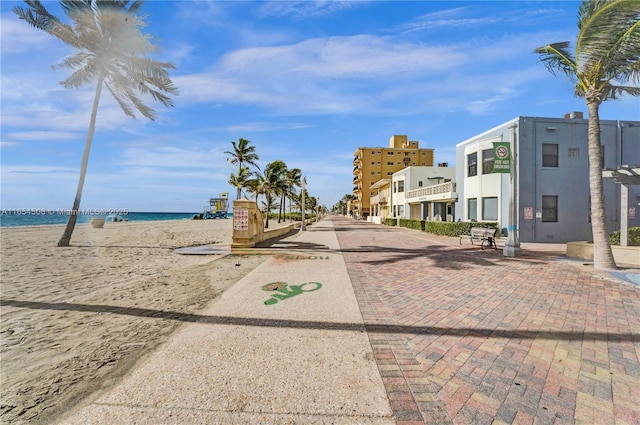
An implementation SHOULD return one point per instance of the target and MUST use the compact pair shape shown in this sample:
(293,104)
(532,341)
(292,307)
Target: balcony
(437,192)
(379,199)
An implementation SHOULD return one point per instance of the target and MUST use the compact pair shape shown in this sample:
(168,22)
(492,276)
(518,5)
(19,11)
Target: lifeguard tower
(218,207)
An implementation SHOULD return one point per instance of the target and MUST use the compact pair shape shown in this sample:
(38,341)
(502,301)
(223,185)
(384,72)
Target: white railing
(436,189)
(379,199)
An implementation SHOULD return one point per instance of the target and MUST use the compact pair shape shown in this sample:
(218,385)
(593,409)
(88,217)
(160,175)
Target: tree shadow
(545,334)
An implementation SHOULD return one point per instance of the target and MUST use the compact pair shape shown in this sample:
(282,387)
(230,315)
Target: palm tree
(112,52)
(243,153)
(605,60)
(269,182)
(293,178)
(241,180)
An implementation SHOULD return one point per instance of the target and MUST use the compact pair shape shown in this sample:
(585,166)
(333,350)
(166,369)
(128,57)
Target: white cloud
(264,126)
(307,9)
(19,37)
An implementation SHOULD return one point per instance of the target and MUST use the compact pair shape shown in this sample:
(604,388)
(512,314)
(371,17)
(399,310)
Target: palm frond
(558,57)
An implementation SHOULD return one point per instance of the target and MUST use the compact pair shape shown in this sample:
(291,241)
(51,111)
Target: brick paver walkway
(465,336)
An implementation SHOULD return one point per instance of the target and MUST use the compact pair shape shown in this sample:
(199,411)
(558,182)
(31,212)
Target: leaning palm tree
(269,182)
(243,153)
(112,52)
(604,64)
(293,179)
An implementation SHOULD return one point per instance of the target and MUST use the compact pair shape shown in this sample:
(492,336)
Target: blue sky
(307,82)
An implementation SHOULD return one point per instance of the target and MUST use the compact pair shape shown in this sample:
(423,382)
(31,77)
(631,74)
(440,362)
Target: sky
(307,82)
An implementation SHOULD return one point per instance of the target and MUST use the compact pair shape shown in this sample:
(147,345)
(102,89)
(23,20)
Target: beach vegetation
(242,153)
(112,52)
(292,179)
(603,64)
(268,184)
(241,180)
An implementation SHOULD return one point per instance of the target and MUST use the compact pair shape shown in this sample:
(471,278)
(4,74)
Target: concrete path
(407,328)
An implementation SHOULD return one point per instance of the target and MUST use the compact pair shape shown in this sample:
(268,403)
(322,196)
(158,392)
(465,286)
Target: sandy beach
(75,320)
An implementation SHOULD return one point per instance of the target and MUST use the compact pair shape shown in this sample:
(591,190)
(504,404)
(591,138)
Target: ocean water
(13,218)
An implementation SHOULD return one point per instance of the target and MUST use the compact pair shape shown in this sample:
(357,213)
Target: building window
(401,186)
(602,156)
(472,165)
(574,152)
(420,183)
(549,155)
(487,161)
(490,209)
(390,163)
(395,187)
(389,153)
(549,208)
(400,210)
(472,208)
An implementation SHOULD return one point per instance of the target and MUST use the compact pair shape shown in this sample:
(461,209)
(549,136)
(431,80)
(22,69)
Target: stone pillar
(248,227)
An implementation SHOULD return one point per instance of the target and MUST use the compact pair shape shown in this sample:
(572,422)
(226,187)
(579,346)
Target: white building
(424,193)
(552,177)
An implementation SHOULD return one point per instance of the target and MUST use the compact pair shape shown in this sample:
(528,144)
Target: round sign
(502,152)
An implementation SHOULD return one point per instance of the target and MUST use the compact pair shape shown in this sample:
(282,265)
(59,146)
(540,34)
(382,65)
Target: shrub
(442,228)
(633,237)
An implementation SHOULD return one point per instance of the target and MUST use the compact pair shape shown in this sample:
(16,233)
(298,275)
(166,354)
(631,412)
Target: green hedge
(633,237)
(442,228)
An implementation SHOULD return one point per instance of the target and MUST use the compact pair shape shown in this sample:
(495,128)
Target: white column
(512,246)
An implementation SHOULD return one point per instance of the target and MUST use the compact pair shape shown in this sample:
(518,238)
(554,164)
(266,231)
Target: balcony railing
(379,199)
(437,191)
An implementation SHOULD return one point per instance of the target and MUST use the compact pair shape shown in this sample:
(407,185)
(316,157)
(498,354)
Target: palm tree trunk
(602,253)
(73,217)
(266,223)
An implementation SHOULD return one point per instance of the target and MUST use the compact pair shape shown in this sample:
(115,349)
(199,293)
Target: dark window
(487,161)
(401,186)
(550,208)
(549,155)
(472,165)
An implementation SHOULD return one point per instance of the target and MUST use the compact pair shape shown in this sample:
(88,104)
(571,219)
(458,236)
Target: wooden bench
(482,234)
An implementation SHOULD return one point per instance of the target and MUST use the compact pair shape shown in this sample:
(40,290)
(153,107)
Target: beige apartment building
(371,165)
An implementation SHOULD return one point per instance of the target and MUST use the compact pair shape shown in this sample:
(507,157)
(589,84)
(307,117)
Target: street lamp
(303,226)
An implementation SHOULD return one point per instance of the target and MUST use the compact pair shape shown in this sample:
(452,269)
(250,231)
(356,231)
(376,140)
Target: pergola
(625,176)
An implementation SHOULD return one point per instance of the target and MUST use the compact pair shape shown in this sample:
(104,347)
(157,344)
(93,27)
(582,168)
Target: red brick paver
(467,336)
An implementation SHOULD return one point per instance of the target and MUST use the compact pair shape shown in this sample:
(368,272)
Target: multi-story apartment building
(552,190)
(373,164)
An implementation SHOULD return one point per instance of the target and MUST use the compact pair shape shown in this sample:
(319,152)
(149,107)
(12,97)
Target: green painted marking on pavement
(282,291)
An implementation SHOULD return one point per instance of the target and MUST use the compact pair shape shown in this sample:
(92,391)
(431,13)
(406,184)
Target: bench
(482,234)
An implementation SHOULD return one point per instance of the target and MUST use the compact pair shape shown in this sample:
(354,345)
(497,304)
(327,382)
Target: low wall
(248,225)
(629,255)
(277,232)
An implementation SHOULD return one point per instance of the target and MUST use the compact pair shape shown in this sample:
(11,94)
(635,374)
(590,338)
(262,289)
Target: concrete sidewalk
(262,353)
